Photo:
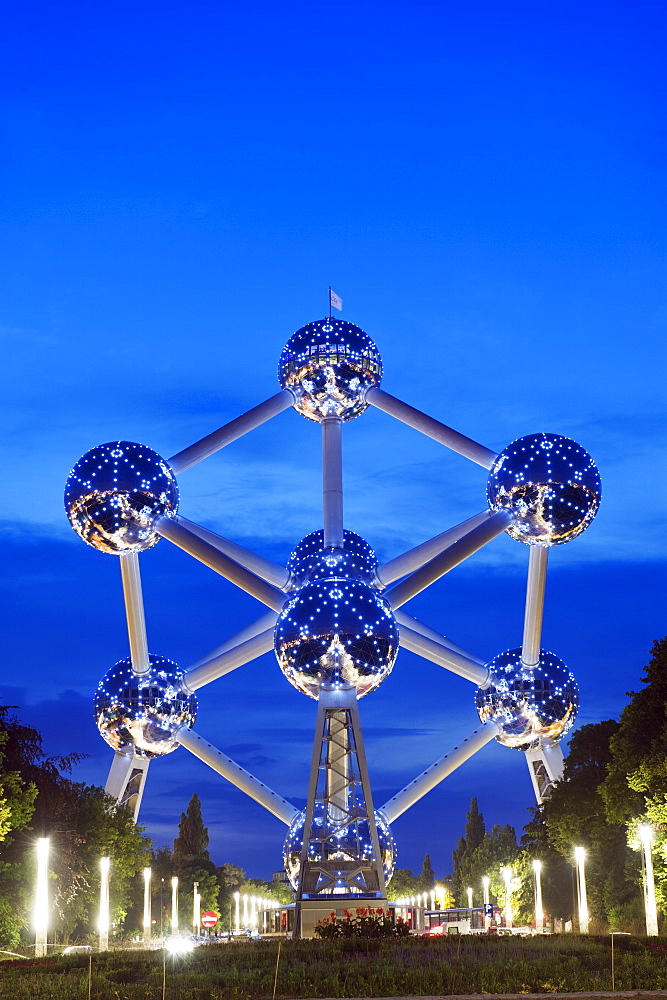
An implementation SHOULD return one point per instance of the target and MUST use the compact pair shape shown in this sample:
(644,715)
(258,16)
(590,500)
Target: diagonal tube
(403,618)
(134,611)
(532,622)
(219,562)
(437,772)
(413,559)
(447,560)
(225,662)
(269,571)
(432,428)
(237,775)
(443,656)
(266,621)
(231,432)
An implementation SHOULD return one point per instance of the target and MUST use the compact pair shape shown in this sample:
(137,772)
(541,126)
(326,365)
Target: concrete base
(310,911)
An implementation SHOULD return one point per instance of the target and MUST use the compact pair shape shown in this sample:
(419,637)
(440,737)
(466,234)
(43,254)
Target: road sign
(488,909)
(209,919)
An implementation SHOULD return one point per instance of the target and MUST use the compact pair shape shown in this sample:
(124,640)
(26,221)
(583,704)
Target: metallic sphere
(349,843)
(530,704)
(115,493)
(336,633)
(311,561)
(329,365)
(550,484)
(138,714)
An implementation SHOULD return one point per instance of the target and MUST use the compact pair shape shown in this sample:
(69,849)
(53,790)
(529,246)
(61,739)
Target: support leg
(126,781)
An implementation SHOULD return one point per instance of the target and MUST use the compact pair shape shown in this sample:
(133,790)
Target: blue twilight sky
(483,184)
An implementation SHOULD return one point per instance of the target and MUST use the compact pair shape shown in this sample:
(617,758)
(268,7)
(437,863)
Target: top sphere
(329,365)
(115,493)
(550,484)
(311,561)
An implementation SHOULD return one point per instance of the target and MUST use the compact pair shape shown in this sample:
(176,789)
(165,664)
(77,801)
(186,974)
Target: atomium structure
(336,618)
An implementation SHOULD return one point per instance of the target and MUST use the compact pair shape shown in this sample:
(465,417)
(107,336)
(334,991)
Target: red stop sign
(209,919)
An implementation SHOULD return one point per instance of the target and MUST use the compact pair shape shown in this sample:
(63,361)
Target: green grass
(347,968)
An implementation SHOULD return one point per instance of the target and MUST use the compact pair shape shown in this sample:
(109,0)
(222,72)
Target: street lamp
(105,864)
(469,891)
(539,912)
(41,911)
(646,836)
(195,908)
(507,879)
(147,905)
(174,905)
(580,855)
(237,912)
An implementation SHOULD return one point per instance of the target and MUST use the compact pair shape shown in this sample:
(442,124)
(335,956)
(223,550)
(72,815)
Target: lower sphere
(351,843)
(139,714)
(530,704)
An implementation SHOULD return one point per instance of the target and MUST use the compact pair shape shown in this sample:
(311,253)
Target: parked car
(78,949)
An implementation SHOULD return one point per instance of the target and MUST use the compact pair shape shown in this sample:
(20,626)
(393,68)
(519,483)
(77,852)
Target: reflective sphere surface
(329,365)
(550,483)
(115,493)
(529,703)
(336,633)
(138,715)
(311,561)
(351,843)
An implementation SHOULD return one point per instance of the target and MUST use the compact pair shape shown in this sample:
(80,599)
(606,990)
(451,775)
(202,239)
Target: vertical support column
(337,865)
(546,768)
(134,610)
(532,622)
(127,777)
(332,481)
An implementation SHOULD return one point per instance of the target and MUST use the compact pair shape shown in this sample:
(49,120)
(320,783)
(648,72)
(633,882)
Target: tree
(465,849)
(576,816)
(191,845)
(427,877)
(403,884)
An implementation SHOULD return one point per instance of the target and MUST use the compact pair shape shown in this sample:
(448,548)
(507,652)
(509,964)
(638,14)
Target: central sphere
(329,365)
(139,714)
(530,704)
(336,633)
(116,492)
(351,843)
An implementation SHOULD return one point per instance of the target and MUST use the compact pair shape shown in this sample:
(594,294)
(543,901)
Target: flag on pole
(335,301)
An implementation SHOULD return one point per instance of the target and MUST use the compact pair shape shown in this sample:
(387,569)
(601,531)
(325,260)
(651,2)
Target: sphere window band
(311,561)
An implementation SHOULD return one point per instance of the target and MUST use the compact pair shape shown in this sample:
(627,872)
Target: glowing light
(646,836)
(174,904)
(580,857)
(41,907)
(507,879)
(147,904)
(539,912)
(103,923)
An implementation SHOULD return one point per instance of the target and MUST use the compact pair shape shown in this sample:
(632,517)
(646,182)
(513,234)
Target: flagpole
(329,301)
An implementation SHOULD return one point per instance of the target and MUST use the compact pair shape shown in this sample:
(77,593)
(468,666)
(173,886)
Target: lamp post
(105,864)
(580,855)
(147,906)
(507,879)
(646,836)
(174,905)
(237,912)
(539,912)
(469,892)
(485,889)
(41,912)
(195,908)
